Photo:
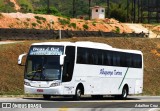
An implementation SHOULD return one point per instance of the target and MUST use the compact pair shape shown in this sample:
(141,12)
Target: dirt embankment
(153,27)
(12,74)
(38,21)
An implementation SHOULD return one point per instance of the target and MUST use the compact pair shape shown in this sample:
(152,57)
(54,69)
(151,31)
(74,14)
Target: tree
(118,14)
(52,10)
(48,6)
(24,8)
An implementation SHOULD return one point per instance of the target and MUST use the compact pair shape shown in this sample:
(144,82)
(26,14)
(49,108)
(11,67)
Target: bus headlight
(27,83)
(55,84)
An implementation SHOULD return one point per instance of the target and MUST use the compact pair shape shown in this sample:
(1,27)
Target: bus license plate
(39,90)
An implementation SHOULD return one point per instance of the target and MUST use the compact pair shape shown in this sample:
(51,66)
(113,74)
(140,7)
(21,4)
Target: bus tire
(47,97)
(124,93)
(78,94)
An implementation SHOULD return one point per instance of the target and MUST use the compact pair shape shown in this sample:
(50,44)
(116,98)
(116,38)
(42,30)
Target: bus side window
(90,56)
(85,56)
(114,59)
(95,54)
(123,59)
(65,76)
(100,57)
(137,61)
(68,64)
(109,58)
(118,59)
(129,60)
(79,55)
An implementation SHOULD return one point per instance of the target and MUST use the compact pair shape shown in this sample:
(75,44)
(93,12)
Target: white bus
(82,68)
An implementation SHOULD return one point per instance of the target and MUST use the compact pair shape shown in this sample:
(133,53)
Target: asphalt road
(133,103)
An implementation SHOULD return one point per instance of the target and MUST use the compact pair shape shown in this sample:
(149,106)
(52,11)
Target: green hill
(118,8)
(6,6)
(26,5)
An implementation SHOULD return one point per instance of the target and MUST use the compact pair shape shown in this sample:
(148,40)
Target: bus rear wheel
(124,93)
(78,94)
(47,97)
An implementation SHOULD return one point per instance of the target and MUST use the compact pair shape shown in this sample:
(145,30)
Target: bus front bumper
(58,90)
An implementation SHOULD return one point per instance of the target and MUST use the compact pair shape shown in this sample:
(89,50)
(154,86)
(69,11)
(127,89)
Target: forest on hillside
(117,8)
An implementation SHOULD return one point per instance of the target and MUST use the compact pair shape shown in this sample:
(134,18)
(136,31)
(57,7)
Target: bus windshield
(43,68)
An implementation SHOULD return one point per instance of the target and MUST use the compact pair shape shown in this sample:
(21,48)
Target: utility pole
(108,11)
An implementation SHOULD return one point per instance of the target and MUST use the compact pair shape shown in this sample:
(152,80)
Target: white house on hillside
(98,12)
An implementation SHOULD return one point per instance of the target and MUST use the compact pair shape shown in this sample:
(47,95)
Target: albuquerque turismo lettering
(110,73)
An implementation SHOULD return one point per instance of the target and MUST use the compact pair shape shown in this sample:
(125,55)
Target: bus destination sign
(46,50)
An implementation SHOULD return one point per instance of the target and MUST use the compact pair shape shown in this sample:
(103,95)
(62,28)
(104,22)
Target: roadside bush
(94,24)
(63,21)
(38,21)
(34,24)
(40,18)
(85,26)
(117,30)
(73,25)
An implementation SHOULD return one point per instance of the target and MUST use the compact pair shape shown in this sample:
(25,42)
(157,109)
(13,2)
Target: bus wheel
(77,96)
(47,97)
(124,93)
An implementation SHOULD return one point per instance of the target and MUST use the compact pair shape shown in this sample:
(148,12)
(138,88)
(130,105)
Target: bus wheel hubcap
(78,92)
(124,93)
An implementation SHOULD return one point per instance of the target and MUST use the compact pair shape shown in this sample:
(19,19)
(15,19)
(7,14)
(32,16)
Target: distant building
(98,12)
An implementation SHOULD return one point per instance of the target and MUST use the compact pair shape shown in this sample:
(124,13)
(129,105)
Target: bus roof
(89,44)
(54,43)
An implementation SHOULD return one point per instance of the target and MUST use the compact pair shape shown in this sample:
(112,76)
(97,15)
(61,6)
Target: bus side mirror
(62,59)
(20,59)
